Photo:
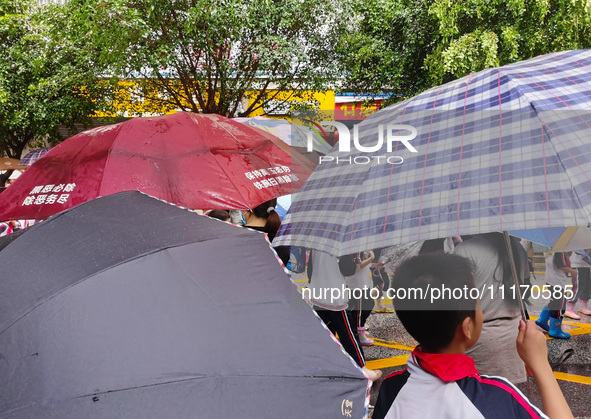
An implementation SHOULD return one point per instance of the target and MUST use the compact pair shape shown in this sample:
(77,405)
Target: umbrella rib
(202,377)
(461,155)
(230,178)
(40,225)
(199,377)
(93,137)
(558,139)
(390,183)
(425,164)
(500,149)
(560,160)
(530,105)
(224,170)
(556,136)
(544,125)
(547,195)
(205,377)
(108,158)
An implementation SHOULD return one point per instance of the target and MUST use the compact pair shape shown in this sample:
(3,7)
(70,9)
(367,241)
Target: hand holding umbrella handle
(524,316)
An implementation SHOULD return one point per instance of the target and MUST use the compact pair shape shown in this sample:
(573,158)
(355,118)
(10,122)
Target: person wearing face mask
(264,218)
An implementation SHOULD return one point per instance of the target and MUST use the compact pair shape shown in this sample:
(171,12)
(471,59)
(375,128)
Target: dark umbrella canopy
(131,307)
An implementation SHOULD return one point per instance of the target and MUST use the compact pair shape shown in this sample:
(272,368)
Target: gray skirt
(495,353)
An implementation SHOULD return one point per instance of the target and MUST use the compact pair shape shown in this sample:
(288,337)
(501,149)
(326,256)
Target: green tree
(44,81)
(407,46)
(386,48)
(206,55)
(477,34)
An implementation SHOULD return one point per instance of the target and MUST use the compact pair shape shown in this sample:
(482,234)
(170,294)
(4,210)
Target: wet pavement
(393,345)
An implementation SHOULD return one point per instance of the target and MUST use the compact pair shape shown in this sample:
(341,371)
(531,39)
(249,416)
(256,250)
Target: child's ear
(467,328)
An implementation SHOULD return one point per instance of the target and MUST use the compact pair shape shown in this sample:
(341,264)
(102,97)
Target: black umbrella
(132,307)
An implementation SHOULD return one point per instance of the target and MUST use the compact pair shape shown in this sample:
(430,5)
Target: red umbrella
(196,161)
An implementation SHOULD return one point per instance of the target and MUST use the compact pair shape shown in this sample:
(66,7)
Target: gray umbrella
(132,307)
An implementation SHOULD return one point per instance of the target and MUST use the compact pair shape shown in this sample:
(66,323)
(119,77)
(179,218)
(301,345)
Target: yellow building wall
(322,102)
(131,101)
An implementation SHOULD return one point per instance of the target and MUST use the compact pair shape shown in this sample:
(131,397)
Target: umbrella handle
(524,316)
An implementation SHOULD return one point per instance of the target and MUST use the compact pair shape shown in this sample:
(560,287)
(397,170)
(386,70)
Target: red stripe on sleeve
(524,403)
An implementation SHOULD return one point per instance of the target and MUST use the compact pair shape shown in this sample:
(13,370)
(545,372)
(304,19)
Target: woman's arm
(368,260)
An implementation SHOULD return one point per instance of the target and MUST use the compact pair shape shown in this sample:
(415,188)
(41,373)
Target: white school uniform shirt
(326,274)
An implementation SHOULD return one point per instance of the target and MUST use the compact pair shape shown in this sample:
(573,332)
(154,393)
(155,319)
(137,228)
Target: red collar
(448,367)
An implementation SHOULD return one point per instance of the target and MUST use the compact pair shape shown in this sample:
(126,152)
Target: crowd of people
(470,352)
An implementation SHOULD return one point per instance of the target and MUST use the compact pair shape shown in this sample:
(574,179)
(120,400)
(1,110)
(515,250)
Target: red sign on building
(356,110)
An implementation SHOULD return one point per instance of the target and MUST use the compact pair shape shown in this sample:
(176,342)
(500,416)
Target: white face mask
(236,217)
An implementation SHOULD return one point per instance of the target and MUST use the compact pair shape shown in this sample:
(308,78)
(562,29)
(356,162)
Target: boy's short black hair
(433,321)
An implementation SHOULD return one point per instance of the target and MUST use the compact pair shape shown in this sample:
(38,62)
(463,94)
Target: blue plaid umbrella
(504,149)
(32,156)
(558,239)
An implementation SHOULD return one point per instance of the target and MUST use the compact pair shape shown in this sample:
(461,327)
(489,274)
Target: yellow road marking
(576,330)
(395,361)
(585,326)
(398,361)
(573,378)
(393,345)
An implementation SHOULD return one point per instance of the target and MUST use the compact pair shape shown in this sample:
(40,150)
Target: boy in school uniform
(440,380)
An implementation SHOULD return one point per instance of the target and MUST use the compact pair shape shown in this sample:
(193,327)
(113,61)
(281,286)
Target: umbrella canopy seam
(109,152)
(223,377)
(556,152)
(230,178)
(101,129)
(203,377)
(214,377)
